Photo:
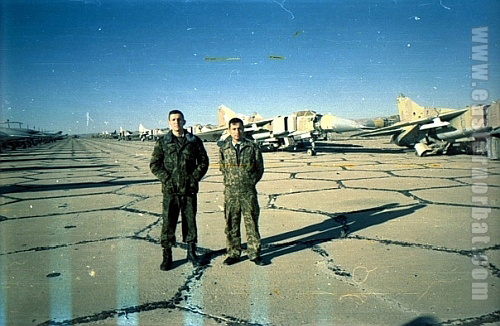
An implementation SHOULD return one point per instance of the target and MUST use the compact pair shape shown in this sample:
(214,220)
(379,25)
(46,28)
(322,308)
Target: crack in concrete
(185,290)
(175,303)
(342,219)
(408,194)
(346,277)
(63,245)
(474,321)
(469,253)
(336,269)
(17,200)
(118,208)
(302,191)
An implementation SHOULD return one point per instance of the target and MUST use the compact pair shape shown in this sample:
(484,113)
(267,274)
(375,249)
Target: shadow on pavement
(344,148)
(423,321)
(62,167)
(329,229)
(70,186)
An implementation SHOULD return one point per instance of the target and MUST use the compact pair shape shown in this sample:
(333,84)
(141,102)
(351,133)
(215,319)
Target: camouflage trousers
(236,206)
(172,206)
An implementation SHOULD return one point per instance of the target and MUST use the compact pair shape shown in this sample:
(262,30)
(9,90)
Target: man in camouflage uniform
(242,165)
(180,161)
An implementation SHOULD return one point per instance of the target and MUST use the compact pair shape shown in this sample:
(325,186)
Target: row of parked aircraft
(299,129)
(429,131)
(432,131)
(12,138)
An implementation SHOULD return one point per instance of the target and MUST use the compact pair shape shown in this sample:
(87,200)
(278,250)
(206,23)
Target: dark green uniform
(180,164)
(241,174)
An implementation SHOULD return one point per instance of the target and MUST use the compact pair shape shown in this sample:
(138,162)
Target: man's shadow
(332,228)
(335,227)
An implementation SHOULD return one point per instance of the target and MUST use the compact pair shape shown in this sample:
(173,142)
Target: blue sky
(130,62)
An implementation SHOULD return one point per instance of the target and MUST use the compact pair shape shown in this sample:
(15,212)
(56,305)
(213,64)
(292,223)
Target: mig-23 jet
(253,122)
(142,134)
(151,134)
(436,130)
(283,132)
(20,137)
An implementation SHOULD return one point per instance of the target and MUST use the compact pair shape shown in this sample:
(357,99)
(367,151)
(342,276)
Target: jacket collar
(228,143)
(189,136)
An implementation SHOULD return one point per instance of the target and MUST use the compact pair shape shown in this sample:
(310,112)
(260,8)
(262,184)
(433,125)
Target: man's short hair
(235,121)
(176,112)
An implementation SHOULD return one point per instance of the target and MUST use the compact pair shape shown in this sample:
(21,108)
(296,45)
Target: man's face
(176,122)
(236,132)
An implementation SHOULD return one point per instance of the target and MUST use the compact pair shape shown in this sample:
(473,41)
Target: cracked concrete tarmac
(364,233)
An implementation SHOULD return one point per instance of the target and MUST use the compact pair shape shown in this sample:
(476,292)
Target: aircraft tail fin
(257,117)
(408,109)
(224,115)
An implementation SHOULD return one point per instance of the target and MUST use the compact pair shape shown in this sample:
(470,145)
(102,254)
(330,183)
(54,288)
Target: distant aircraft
(283,132)
(157,132)
(128,135)
(107,135)
(19,137)
(143,134)
(151,134)
(435,130)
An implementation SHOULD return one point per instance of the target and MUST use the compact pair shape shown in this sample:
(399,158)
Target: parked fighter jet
(133,135)
(150,134)
(211,133)
(143,133)
(14,138)
(298,129)
(128,135)
(435,130)
(19,137)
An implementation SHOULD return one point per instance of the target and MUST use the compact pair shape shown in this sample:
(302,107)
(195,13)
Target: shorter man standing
(242,166)
(180,161)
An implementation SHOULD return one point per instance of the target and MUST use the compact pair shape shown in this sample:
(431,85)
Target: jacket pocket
(168,186)
(170,158)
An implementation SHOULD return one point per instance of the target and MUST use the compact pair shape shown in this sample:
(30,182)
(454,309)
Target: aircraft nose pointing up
(336,124)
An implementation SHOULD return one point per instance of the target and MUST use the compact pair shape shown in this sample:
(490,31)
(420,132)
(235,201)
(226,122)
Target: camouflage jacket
(245,175)
(179,165)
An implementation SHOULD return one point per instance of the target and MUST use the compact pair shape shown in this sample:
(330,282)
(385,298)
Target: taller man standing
(180,161)
(242,165)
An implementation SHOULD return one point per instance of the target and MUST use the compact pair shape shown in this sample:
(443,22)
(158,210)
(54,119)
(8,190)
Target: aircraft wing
(429,123)
(4,136)
(211,135)
(253,127)
(393,129)
(250,129)
(301,134)
(16,133)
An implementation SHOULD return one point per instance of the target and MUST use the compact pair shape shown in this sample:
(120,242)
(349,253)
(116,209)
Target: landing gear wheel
(311,152)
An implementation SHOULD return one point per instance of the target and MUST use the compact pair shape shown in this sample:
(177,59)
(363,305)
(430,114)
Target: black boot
(166,264)
(191,254)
